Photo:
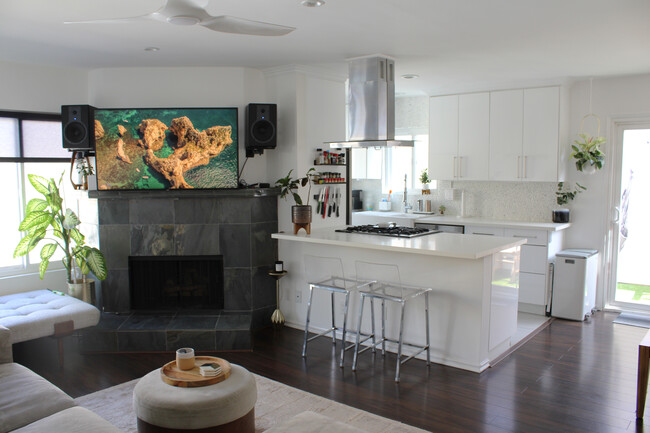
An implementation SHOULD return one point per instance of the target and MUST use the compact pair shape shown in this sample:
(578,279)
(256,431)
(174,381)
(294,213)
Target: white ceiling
(454,45)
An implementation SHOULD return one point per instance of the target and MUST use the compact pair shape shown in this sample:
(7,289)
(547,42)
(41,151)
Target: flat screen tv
(166,148)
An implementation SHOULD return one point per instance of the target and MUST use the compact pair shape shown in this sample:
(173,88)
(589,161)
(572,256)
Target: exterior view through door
(632,273)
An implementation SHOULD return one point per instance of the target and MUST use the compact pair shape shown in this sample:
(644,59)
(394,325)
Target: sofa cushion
(73,420)
(31,315)
(6,353)
(26,397)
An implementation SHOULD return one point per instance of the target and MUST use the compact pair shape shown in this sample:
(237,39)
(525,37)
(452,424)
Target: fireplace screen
(176,282)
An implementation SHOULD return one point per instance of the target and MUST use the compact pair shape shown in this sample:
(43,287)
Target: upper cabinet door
(506,134)
(541,134)
(473,136)
(443,137)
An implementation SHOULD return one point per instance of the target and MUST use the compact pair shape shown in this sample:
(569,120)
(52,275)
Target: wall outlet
(298,297)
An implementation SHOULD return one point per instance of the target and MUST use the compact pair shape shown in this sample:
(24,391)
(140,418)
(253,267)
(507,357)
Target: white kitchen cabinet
(443,136)
(506,132)
(541,134)
(473,136)
(524,134)
(459,137)
(534,276)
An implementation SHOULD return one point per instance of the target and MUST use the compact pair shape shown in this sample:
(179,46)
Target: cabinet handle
(483,234)
(521,236)
(454,167)
(460,166)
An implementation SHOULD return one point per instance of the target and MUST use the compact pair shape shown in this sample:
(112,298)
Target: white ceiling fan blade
(228,24)
(114,20)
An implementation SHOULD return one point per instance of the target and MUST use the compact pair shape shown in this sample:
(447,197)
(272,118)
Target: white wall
(41,88)
(311,110)
(185,87)
(611,98)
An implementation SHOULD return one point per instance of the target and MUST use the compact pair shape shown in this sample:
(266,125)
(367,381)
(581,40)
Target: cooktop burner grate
(390,230)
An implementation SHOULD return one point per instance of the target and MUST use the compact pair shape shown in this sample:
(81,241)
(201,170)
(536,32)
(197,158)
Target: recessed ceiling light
(312,3)
(152,49)
(410,76)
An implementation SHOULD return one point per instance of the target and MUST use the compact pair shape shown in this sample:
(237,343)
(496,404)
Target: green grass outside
(639,293)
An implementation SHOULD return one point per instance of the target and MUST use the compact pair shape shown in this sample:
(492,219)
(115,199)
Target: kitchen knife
(329,209)
(324,207)
(320,200)
(338,200)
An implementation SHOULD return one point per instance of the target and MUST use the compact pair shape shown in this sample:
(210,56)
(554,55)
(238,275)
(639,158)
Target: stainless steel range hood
(371,108)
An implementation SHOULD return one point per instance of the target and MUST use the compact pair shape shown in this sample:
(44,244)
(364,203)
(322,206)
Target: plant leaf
(70,220)
(48,251)
(43,267)
(96,263)
(297,198)
(35,205)
(23,246)
(34,219)
(76,235)
(39,183)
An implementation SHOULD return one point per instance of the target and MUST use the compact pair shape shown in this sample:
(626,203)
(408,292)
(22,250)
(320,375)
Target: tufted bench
(41,313)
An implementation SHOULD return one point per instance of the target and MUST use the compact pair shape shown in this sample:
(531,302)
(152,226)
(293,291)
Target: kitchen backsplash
(510,201)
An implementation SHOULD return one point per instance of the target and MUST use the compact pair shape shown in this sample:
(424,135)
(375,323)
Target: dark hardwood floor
(570,377)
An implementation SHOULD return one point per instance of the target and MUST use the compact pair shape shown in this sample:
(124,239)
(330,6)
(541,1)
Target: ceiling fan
(192,12)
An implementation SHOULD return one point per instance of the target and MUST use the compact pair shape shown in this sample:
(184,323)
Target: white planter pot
(82,290)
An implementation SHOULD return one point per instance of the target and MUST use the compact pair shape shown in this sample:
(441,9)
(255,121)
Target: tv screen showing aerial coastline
(166,148)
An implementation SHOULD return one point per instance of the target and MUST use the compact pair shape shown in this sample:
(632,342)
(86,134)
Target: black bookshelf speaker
(78,124)
(261,127)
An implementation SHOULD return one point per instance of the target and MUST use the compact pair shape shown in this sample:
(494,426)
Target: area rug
(640,320)
(276,403)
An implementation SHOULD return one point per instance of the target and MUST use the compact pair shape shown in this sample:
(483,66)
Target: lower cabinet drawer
(532,288)
(482,230)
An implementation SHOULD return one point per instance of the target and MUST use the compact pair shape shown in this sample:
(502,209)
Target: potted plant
(587,153)
(425,180)
(46,220)
(442,209)
(300,213)
(562,197)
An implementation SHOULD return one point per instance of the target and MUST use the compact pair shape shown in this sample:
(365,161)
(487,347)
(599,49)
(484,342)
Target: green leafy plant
(442,209)
(290,186)
(424,177)
(563,196)
(46,220)
(587,152)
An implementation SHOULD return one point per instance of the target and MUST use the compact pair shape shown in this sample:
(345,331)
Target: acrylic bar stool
(384,283)
(326,273)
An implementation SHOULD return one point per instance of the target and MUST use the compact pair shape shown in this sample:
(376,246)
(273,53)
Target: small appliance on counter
(357,204)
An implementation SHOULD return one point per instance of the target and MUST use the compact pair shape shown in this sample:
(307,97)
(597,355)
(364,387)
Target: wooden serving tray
(172,375)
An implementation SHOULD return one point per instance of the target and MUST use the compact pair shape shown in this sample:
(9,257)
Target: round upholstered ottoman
(227,406)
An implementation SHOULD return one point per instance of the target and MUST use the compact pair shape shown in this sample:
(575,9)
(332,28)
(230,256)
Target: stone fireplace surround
(235,223)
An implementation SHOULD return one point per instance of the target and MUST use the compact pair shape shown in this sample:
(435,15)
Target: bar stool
(384,283)
(326,273)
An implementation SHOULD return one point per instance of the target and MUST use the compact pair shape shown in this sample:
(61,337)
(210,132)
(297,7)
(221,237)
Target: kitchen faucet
(405,203)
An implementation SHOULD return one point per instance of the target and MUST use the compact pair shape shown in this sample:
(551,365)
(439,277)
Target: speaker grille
(262,131)
(75,132)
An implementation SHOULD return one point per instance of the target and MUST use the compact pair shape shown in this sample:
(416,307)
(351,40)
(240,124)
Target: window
(409,161)
(30,143)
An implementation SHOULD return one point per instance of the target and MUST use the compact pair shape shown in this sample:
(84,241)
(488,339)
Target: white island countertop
(438,244)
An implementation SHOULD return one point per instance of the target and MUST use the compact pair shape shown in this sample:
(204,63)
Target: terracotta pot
(82,290)
(301,214)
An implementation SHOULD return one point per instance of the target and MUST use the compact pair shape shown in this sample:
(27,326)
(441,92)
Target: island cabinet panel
(473,302)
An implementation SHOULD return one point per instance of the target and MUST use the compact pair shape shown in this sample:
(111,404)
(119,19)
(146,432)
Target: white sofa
(29,403)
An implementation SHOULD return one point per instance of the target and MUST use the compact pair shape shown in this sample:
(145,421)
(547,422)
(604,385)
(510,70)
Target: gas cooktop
(388,230)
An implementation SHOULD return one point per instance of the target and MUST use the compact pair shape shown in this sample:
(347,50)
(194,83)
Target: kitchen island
(473,305)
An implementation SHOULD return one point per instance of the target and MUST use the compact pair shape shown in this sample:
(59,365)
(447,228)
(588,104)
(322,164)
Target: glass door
(629,270)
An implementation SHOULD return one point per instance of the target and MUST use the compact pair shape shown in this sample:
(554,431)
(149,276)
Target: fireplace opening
(176,282)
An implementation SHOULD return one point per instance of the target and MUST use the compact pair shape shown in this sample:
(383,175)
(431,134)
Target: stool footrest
(415,354)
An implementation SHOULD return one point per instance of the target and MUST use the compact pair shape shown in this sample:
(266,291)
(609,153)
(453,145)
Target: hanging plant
(587,153)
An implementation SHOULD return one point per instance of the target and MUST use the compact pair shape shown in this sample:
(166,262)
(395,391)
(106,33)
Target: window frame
(26,267)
